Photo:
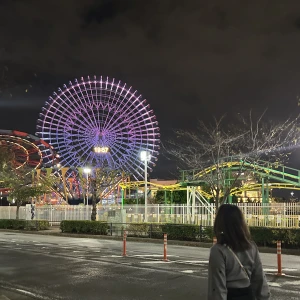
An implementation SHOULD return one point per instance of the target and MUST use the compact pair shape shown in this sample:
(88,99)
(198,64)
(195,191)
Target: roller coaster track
(275,172)
(256,186)
(285,177)
(153,186)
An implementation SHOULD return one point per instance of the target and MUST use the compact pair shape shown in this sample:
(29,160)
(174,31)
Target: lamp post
(87,171)
(145,157)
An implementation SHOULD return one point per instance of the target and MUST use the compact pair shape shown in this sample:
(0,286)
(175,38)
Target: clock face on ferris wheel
(100,122)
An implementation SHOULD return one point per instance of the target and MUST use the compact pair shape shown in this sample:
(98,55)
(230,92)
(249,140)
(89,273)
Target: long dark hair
(230,228)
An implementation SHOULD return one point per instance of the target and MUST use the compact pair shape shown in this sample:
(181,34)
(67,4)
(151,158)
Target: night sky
(190,59)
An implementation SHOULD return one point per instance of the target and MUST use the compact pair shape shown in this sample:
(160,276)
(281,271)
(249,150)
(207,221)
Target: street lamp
(87,171)
(145,157)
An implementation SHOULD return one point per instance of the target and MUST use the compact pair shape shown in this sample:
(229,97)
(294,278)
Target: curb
(52,232)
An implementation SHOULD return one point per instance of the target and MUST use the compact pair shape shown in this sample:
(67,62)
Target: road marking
(274,284)
(106,256)
(276,270)
(296,282)
(152,255)
(27,293)
(192,262)
(156,262)
(195,261)
(188,271)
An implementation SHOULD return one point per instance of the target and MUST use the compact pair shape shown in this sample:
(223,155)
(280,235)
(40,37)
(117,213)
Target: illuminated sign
(98,149)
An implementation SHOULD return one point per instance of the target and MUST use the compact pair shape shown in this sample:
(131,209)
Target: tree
(102,182)
(212,147)
(7,158)
(20,181)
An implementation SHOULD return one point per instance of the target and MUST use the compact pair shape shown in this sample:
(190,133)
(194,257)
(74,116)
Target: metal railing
(285,215)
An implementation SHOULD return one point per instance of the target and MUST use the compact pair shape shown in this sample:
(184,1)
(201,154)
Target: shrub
(87,227)
(156,231)
(137,229)
(182,232)
(37,225)
(207,234)
(24,224)
(266,236)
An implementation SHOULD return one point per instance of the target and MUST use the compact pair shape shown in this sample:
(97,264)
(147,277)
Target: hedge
(87,227)
(267,236)
(262,236)
(183,232)
(24,224)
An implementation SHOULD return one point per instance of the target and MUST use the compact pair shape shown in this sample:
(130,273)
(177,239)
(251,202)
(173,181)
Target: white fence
(270,215)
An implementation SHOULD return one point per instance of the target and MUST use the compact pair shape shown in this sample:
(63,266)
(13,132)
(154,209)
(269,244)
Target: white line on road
(274,284)
(26,292)
(284,270)
(188,271)
(194,261)
(156,262)
(152,255)
(296,282)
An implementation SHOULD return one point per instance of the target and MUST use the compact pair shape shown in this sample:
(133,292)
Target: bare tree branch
(215,145)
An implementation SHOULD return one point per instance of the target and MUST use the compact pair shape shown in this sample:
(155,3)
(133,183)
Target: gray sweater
(224,271)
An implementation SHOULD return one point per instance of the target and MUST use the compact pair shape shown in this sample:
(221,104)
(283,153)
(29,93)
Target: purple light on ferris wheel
(100,114)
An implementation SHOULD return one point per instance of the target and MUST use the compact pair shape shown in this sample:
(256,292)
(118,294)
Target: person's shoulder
(217,248)
(253,246)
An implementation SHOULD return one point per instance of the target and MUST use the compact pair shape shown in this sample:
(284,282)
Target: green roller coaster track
(272,175)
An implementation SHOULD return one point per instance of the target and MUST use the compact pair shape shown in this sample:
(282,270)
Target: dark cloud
(190,59)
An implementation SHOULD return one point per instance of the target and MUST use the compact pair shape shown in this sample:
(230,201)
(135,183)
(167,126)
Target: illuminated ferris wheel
(100,122)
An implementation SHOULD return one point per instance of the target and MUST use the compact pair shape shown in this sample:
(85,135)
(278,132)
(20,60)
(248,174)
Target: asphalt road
(51,267)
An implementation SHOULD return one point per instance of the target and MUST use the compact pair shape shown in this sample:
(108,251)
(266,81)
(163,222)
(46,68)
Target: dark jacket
(225,271)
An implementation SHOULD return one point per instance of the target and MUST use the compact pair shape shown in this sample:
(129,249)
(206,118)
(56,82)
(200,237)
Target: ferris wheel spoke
(127,107)
(91,104)
(118,102)
(81,102)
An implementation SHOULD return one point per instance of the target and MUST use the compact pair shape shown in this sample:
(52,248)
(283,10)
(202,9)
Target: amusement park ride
(103,123)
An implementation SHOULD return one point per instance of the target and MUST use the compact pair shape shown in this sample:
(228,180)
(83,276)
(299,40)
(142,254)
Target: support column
(171,202)
(264,198)
(263,190)
(63,174)
(193,205)
(122,198)
(188,193)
